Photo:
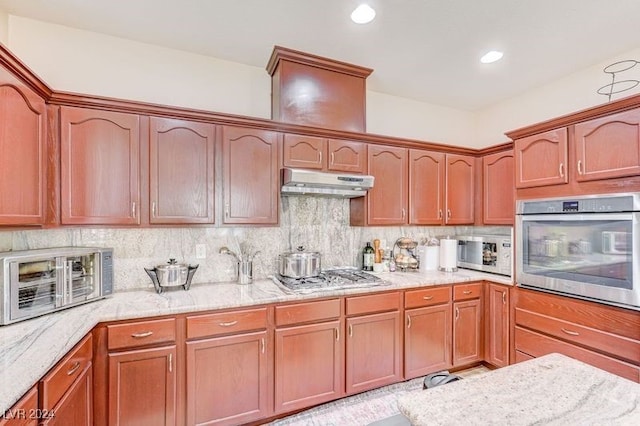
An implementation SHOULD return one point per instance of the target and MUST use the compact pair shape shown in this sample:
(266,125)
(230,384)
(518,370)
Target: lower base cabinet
(227,379)
(18,415)
(75,406)
(427,340)
(497,325)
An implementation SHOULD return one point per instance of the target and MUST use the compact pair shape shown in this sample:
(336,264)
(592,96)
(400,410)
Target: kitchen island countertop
(29,349)
(550,390)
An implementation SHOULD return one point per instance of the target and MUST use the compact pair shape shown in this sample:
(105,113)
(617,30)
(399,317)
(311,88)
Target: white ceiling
(427,50)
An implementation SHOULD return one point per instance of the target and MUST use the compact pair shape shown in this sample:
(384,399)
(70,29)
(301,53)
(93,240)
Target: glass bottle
(367,258)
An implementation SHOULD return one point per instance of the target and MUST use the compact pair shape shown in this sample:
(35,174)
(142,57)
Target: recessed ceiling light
(491,56)
(363,14)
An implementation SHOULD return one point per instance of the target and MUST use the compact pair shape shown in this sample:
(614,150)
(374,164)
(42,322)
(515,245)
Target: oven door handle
(573,217)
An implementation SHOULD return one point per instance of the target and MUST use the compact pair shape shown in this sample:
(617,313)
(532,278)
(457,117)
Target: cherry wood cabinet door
(498,189)
(22,153)
(426,187)
(18,415)
(308,365)
(100,154)
(181,171)
(608,147)
(497,320)
(467,332)
(346,156)
(307,152)
(427,340)
(227,379)
(387,201)
(251,176)
(460,201)
(541,160)
(76,405)
(142,387)
(373,351)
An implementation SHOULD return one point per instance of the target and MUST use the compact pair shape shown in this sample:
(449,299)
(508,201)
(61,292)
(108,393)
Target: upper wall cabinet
(426,187)
(498,189)
(181,171)
(22,153)
(608,147)
(333,155)
(387,200)
(251,175)
(100,155)
(541,159)
(460,192)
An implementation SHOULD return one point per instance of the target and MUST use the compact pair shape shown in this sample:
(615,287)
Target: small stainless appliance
(331,279)
(36,282)
(586,247)
(171,274)
(488,253)
(320,184)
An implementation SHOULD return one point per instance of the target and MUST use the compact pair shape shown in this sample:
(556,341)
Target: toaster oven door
(82,280)
(35,287)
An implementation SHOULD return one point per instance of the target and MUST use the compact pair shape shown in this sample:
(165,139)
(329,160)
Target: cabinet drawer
(226,322)
(600,340)
(373,303)
(307,312)
(537,345)
(427,297)
(467,291)
(141,333)
(54,385)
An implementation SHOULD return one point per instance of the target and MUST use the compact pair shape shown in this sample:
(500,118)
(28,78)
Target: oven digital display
(569,206)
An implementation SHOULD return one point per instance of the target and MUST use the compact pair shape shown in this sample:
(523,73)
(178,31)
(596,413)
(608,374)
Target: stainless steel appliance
(587,247)
(331,279)
(488,253)
(299,263)
(36,282)
(171,274)
(320,184)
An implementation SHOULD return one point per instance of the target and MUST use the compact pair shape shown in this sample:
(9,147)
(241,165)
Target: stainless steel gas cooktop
(331,279)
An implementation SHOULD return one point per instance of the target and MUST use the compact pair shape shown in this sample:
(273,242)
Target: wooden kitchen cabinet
(100,167)
(251,175)
(427,336)
(373,341)
(541,160)
(23,147)
(21,412)
(467,324)
(332,155)
(181,171)
(427,174)
(497,324)
(498,189)
(75,407)
(608,147)
(459,196)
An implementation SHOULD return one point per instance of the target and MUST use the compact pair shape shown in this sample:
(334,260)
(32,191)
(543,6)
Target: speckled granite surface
(30,348)
(550,390)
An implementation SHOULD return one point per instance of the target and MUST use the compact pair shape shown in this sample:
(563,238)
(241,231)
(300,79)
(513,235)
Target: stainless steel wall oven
(587,247)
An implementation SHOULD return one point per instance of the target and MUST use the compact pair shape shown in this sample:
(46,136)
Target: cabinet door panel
(227,379)
(181,171)
(308,152)
(347,156)
(498,189)
(142,387)
(426,187)
(427,340)
(99,167)
(541,160)
(250,176)
(387,201)
(467,332)
(75,407)
(460,192)
(308,365)
(608,147)
(497,348)
(22,153)
(373,351)
(27,404)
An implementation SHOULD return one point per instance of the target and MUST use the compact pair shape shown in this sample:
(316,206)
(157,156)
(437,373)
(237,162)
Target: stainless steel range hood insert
(319,184)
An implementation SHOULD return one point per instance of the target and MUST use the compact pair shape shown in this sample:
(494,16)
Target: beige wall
(4,28)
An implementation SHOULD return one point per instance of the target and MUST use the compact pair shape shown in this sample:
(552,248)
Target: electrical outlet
(201,251)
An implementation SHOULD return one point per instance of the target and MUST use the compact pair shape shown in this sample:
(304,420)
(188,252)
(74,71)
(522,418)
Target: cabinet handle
(570,332)
(73,369)
(226,209)
(504,297)
(448,214)
(408,321)
(320,157)
(133,209)
(440,214)
(228,324)
(350,331)
(457,313)
(404,214)
(153,209)
(579,167)
(466,292)
(428,297)
(337,334)
(333,157)
(561,170)
(170,363)
(262,345)
(142,335)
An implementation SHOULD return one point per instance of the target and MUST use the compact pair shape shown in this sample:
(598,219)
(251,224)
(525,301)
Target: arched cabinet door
(426,187)
(541,159)
(250,171)
(387,201)
(100,177)
(460,201)
(22,153)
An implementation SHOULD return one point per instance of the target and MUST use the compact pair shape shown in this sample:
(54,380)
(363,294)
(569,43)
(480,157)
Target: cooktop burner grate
(331,279)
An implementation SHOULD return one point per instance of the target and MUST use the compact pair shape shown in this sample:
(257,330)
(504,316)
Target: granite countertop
(550,390)
(30,348)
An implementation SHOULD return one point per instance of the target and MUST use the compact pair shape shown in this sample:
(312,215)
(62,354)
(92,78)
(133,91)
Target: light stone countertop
(550,390)
(29,349)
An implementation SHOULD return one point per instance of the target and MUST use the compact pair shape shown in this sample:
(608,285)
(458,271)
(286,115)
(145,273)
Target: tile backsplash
(318,224)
